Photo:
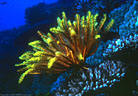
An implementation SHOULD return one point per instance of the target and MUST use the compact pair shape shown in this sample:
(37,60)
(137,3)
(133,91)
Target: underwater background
(112,69)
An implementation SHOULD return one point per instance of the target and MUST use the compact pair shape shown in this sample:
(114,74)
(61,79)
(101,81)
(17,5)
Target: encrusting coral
(65,47)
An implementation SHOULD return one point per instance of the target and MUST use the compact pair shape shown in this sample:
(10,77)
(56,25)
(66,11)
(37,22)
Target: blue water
(13,12)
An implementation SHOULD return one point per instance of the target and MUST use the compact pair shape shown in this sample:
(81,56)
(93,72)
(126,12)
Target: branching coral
(65,47)
(87,82)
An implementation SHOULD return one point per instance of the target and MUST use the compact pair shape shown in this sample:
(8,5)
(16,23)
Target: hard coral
(65,47)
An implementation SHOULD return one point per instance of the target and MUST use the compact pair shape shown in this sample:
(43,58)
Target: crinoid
(65,46)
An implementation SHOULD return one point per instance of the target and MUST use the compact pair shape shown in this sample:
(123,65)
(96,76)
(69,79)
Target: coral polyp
(65,46)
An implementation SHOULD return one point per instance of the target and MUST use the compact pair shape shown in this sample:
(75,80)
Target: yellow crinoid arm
(66,45)
(23,75)
(51,62)
(110,24)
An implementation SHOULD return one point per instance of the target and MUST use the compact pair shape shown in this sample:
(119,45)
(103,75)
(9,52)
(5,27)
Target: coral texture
(102,76)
